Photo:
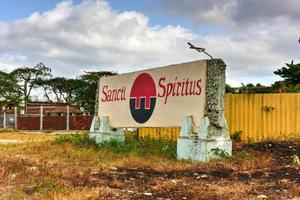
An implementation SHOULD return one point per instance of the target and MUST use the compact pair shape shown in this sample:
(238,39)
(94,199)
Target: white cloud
(92,36)
(260,35)
(72,38)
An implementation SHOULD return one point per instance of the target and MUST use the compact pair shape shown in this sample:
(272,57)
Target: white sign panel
(158,97)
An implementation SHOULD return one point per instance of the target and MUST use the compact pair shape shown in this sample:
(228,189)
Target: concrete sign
(159,97)
(188,95)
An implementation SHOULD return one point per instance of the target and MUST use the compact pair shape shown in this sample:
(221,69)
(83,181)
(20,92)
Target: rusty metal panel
(256,117)
(159,133)
(54,122)
(261,117)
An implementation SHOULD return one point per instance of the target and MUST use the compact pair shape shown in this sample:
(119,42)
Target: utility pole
(199,49)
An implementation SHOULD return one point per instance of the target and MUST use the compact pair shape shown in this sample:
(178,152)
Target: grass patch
(80,140)
(6,130)
(42,185)
(37,188)
(25,136)
(133,145)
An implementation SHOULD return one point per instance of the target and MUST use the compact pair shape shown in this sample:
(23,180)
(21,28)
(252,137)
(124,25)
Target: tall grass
(6,130)
(133,145)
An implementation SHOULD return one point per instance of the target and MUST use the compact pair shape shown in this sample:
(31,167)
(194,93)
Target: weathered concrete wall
(215,91)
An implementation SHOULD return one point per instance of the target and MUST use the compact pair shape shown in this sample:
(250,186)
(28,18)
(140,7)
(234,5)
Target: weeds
(142,147)
(236,136)
(243,154)
(132,145)
(6,130)
(41,185)
(79,140)
(250,140)
(73,167)
(220,153)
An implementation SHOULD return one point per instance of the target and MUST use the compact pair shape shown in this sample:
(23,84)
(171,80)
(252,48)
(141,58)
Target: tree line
(290,83)
(16,87)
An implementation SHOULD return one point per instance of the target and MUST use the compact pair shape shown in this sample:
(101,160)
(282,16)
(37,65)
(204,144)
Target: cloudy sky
(253,37)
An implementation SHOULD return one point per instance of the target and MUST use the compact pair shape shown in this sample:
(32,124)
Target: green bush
(6,130)
(132,145)
(79,140)
(141,147)
(236,136)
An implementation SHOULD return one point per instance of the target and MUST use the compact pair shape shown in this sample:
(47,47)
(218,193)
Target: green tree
(62,88)
(280,86)
(27,79)
(86,94)
(80,91)
(250,88)
(290,73)
(291,78)
(229,89)
(9,90)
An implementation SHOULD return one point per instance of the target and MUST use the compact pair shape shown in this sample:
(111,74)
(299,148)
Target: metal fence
(258,117)
(46,118)
(7,120)
(53,118)
(252,117)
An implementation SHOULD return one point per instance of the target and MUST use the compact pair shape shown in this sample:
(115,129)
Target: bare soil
(277,181)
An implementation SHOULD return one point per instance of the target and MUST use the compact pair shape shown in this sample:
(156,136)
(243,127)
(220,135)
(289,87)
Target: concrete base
(94,130)
(202,150)
(198,146)
(101,131)
(102,137)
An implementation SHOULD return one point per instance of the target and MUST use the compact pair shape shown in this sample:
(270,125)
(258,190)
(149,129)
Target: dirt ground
(46,170)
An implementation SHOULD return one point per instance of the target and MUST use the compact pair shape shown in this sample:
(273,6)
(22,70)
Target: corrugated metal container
(256,117)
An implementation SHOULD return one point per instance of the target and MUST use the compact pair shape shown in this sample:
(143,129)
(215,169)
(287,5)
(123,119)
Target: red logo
(142,98)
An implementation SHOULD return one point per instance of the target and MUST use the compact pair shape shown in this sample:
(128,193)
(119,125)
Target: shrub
(236,136)
(79,140)
(132,145)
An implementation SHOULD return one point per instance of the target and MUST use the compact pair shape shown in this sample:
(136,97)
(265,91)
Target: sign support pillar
(101,130)
(106,133)
(198,146)
(211,140)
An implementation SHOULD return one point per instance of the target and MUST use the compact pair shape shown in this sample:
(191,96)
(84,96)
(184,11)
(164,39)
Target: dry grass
(48,170)
(11,135)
